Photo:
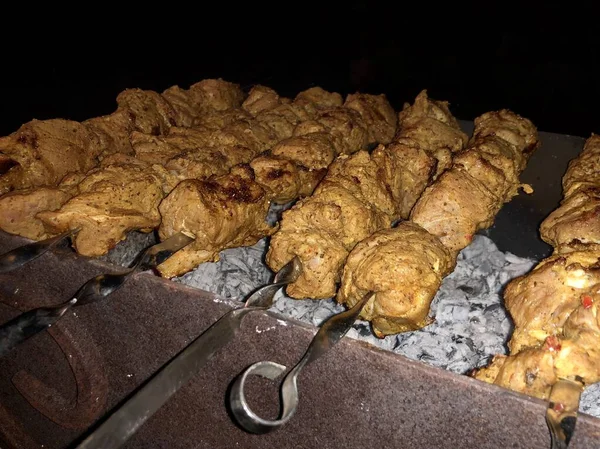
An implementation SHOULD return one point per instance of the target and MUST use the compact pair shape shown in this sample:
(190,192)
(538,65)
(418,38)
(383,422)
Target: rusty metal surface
(59,383)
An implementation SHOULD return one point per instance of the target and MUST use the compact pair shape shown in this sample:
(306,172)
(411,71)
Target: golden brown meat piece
(575,225)
(484,176)
(574,352)
(371,191)
(113,199)
(347,206)
(234,136)
(403,273)
(19,209)
(202,98)
(41,153)
(291,168)
(220,212)
(531,372)
(378,114)
(331,131)
(541,301)
(464,198)
(431,125)
(261,99)
(555,307)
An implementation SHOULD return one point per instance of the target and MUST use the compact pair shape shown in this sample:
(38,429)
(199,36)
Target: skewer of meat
(46,149)
(228,211)
(124,193)
(555,307)
(405,265)
(41,153)
(364,193)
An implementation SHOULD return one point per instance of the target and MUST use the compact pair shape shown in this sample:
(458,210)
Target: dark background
(542,61)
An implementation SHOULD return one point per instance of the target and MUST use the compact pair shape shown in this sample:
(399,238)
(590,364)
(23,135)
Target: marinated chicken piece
(483,177)
(574,352)
(464,198)
(541,302)
(430,124)
(346,129)
(19,209)
(316,142)
(294,167)
(41,153)
(220,119)
(348,205)
(555,307)
(378,114)
(531,372)
(261,99)
(360,195)
(318,98)
(203,98)
(113,199)
(220,212)
(232,137)
(404,274)
(575,225)
(208,161)
(290,169)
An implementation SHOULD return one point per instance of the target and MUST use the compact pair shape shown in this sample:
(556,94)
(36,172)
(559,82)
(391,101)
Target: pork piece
(483,177)
(220,212)
(371,191)
(405,273)
(41,153)
(121,195)
(464,198)
(575,225)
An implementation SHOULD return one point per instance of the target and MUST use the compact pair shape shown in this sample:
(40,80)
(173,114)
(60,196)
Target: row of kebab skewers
(384,203)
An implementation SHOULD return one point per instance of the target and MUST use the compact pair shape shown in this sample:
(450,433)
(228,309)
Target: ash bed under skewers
(471,322)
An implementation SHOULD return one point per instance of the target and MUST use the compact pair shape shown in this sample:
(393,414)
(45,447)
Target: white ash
(471,324)
(128,250)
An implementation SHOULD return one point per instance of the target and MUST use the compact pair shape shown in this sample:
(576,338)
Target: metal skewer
(26,325)
(127,419)
(330,333)
(24,254)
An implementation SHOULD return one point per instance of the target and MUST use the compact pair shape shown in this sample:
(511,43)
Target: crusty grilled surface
(462,200)
(224,132)
(291,169)
(363,193)
(555,306)
(43,152)
(220,212)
